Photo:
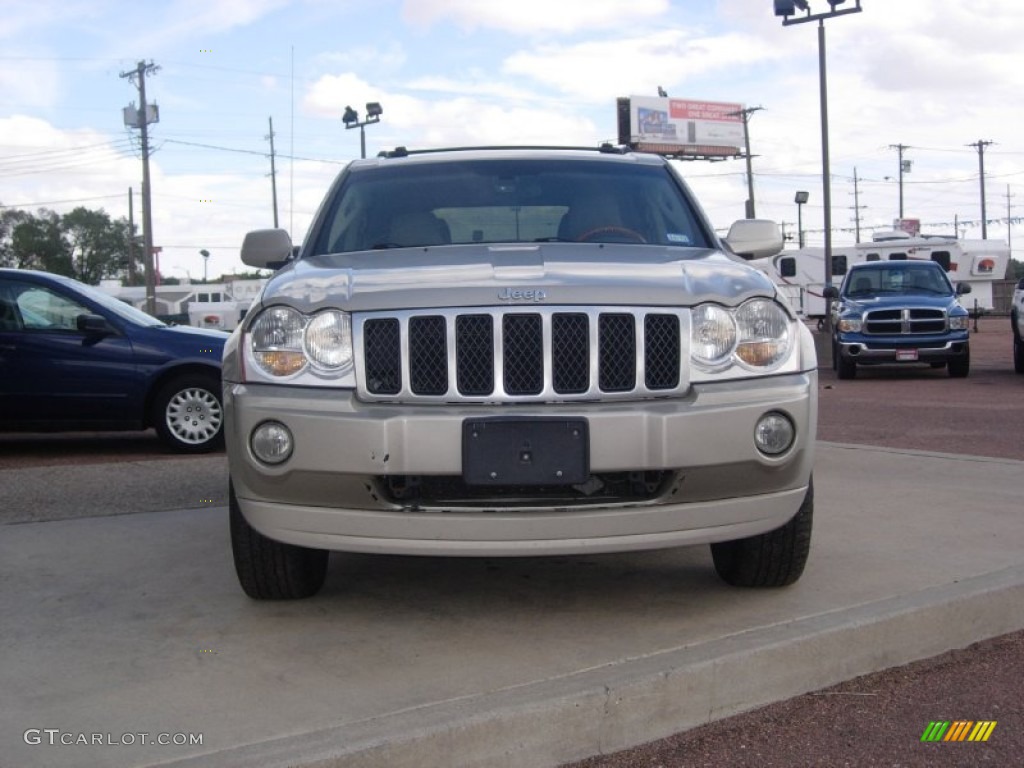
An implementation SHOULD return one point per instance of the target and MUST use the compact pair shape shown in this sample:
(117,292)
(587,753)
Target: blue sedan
(75,358)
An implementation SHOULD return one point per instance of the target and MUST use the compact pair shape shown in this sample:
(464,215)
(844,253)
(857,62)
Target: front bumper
(864,349)
(329,494)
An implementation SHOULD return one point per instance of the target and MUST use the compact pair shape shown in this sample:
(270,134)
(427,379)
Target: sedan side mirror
(93,325)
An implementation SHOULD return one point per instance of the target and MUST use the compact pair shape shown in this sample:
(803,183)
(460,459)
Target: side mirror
(962,288)
(93,325)
(267,248)
(831,292)
(754,238)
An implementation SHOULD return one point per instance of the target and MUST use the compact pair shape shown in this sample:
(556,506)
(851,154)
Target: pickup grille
(525,354)
(898,322)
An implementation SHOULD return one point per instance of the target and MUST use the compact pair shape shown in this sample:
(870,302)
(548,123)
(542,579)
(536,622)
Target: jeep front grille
(897,322)
(521,354)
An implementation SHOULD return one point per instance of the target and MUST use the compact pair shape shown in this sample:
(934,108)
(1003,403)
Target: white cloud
(593,71)
(532,16)
(417,122)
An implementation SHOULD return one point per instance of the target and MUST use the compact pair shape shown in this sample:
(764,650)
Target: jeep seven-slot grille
(522,354)
(897,322)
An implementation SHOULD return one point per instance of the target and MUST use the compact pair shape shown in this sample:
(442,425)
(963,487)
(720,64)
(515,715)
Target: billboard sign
(911,226)
(682,127)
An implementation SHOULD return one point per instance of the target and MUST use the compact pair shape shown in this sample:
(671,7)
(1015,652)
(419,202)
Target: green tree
(37,242)
(99,246)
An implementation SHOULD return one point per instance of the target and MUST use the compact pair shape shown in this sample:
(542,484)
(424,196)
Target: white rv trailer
(800,274)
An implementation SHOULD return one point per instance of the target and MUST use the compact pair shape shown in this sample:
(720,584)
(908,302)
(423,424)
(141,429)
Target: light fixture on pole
(351,120)
(206,260)
(800,198)
(788,9)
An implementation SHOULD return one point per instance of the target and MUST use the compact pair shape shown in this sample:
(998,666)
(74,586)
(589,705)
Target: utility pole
(1009,221)
(131,238)
(142,119)
(980,146)
(273,173)
(856,203)
(904,168)
(745,115)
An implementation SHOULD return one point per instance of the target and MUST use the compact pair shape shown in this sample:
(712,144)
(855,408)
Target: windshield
(509,200)
(118,307)
(906,278)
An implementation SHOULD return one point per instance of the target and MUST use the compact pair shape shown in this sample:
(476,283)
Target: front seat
(419,228)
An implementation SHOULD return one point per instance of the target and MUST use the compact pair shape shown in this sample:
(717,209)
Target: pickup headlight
(850,325)
(284,343)
(758,336)
(959,322)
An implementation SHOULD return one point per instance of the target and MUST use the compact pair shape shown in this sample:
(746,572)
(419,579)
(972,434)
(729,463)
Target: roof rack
(604,148)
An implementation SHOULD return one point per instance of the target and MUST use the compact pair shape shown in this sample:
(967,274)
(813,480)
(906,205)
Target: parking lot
(125,616)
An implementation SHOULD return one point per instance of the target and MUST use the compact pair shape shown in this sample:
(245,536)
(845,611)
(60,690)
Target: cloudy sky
(933,75)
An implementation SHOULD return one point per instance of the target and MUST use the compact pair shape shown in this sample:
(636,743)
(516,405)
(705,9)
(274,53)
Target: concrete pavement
(118,626)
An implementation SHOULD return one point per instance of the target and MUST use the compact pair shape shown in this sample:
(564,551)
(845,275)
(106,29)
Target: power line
(57,202)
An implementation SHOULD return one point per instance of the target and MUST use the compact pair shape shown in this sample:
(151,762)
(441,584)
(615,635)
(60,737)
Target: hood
(489,275)
(184,333)
(899,301)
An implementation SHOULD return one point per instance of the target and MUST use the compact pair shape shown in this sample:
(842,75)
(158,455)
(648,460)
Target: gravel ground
(878,719)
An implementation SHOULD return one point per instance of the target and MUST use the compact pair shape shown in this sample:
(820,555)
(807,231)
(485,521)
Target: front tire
(1018,354)
(773,559)
(845,368)
(958,369)
(188,413)
(269,569)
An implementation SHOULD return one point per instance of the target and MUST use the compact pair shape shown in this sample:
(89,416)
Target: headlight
(314,350)
(763,333)
(328,340)
(959,322)
(759,336)
(712,335)
(850,325)
(277,341)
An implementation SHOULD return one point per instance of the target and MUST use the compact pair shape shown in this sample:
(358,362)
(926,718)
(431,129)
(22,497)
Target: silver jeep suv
(498,352)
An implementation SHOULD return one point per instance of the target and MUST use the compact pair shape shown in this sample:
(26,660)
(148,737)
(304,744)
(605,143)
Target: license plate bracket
(906,355)
(525,451)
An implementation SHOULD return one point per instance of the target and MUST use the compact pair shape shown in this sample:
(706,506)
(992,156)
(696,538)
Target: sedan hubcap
(194,416)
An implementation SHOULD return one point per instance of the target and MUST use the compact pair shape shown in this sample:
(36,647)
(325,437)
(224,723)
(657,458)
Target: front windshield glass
(508,201)
(906,278)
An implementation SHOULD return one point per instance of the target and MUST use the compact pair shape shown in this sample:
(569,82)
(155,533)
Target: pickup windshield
(924,278)
(508,201)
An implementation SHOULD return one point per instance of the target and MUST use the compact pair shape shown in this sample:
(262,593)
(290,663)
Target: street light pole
(788,9)
(351,120)
(800,198)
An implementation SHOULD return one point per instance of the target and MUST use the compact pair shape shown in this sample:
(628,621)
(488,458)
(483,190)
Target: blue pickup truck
(899,312)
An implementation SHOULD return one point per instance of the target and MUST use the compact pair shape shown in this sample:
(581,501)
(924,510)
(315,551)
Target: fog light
(271,442)
(774,434)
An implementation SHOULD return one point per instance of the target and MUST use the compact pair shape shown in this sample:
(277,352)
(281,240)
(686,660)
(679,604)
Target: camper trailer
(800,274)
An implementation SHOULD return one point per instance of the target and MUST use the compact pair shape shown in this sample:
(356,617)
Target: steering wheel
(632,234)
